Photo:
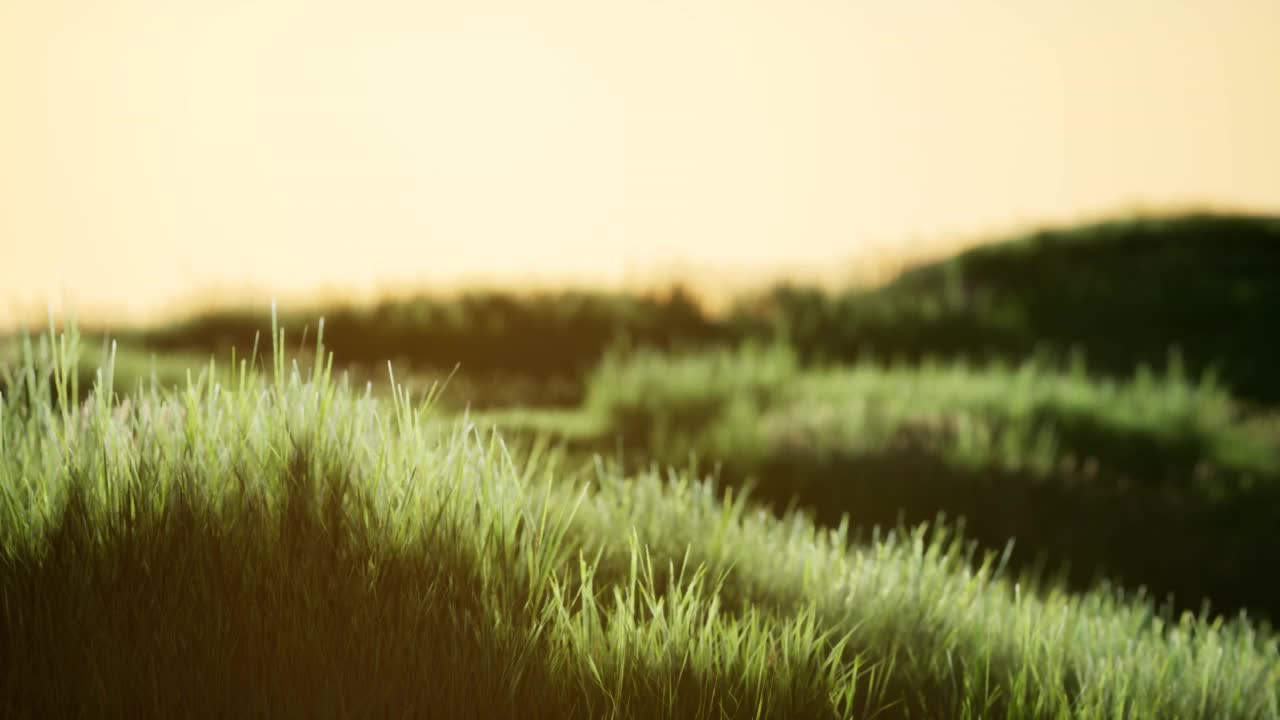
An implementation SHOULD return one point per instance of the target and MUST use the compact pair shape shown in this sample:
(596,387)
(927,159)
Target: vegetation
(284,545)
(1157,480)
(1160,431)
(1124,292)
(512,348)
(1039,479)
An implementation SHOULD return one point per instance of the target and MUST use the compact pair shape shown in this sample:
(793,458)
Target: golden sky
(152,149)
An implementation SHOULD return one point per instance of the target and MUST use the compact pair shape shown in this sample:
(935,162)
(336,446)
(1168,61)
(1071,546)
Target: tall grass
(1126,291)
(279,544)
(1158,480)
(670,405)
(1164,430)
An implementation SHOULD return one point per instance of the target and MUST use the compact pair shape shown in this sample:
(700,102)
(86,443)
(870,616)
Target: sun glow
(150,150)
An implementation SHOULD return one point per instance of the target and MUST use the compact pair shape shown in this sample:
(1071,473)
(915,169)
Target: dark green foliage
(1125,293)
(1181,550)
(508,345)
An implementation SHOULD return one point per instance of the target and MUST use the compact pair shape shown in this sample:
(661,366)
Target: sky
(156,151)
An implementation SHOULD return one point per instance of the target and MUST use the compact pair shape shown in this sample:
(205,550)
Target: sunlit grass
(1161,429)
(1159,480)
(280,544)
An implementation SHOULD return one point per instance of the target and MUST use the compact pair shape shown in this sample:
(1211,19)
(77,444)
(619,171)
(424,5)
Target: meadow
(1155,480)
(1040,479)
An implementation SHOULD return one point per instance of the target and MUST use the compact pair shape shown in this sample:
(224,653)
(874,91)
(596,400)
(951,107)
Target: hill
(1123,294)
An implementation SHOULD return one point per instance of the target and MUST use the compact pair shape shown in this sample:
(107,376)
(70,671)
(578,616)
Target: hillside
(1123,294)
(283,545)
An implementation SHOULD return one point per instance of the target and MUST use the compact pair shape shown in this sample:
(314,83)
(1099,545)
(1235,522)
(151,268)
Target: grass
(1126,292)
(512,347)
(283,545)
(1160,430)
(1157,480)
(181,536)
(132,365)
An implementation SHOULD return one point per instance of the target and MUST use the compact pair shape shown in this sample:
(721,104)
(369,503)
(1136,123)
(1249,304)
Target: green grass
(1157,480)
(1124,292)
(283,545)
(1160,430)
(513,348)
(132,365)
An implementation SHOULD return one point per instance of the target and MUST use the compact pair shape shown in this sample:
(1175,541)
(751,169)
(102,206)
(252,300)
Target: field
(969,493)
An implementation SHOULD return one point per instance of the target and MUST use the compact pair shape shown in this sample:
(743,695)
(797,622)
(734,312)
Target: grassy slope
(1156,480)
(1124,292)
(283,546)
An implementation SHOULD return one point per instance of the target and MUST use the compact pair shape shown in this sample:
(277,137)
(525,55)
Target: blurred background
(160,157)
